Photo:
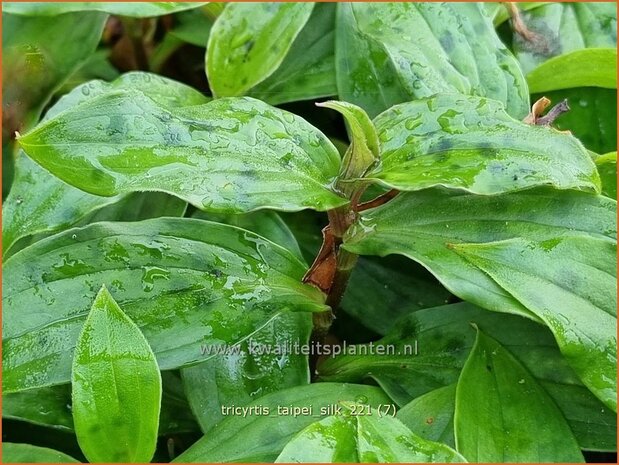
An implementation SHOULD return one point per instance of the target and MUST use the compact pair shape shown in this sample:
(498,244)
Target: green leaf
(561,28)
(27,453)
(382,290)
(265,223)
(229,155)
(39,54)
(503,414)
(115,387)
(389,53)
(591,67)
(261,436)
(135,9)
(51,407)
(308,70)
(471,143)
(363,151)
(262,365)
(427,349)
(249,41)
(592,117)
(607,167)
(39,202)
(431,415)
(569,283)
(184,282)
(443,218)
(362,435)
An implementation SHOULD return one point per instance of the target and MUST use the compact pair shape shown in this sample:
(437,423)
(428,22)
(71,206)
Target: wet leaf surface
(229,155)
(27,453)
(472,144)
(134,9)
(115,387)
(184,282)
(416,50)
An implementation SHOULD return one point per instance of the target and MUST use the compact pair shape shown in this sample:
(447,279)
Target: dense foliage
(180,220)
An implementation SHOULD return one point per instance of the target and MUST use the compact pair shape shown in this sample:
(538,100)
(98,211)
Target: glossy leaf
(115,387)
(135,9)
(607,167)
(229,155)
(308,70)
(27,453)
(431,415)
(249,41)
(260,437)
(591,67)
(443,218)
(592,117)
(184,282)
(389,53)
(430,346)
(363,438)
(39,202)
(571,284)
(511,412)
(382,290)
(561,28)
(51,407)
(261,365)
(472,144)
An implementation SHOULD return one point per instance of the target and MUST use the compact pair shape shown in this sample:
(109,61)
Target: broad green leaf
(382,290)
(230,155)
(249,41)
(185,282)
(362,435)
(590,67)
(471,143)
(389,53)
(561,28)
(443,218)
(39,202)
(51,407)
(115,387)
(607,167)
(503,415)
(27,453)
(363,151)
(592,118)
(38,55)
(431,415)
(429,347)
(261,365)
(308,70)
(571,284)
(135,9)
(261,435)
(265,223)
